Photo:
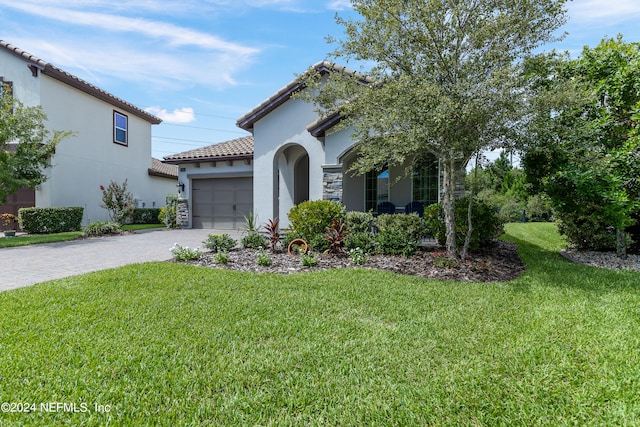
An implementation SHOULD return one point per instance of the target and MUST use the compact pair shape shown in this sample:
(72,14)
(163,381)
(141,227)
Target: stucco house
(291,156)
(111,142)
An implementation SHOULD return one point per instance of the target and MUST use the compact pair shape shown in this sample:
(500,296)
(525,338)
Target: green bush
(364,240)
(185,253)
(50,220)
(511,211)
(396,241)
(102,228)
(359,222)
(313,216)
(146,216)
(318,243)
(486,223)
(168,214)
(221,257)
(253,240)
(309,260)
(414,226)
(219,242)
(263,258)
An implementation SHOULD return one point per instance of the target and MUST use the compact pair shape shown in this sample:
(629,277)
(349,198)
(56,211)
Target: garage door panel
(221,202)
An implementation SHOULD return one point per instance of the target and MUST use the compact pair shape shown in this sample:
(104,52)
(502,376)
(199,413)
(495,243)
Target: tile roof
(236,149)
(163,170)
(36,64)
(247,121)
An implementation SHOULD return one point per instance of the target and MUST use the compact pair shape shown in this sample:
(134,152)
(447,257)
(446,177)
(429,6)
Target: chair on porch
(417,207)
(386,208)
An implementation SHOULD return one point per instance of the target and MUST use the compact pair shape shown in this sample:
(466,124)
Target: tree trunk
(621,243)
(472,195)
(448,203)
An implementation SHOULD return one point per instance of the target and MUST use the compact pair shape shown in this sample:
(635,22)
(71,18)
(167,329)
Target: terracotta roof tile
(239,148)
(163,169)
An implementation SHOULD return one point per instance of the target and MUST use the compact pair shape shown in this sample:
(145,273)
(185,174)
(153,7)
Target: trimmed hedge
(50,220)
(146,216)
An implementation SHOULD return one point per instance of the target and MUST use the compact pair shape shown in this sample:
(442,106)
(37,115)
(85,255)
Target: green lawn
(34,239)
(172,344)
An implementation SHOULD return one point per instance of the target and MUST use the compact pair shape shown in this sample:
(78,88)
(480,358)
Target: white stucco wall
(273,135)
(89,158)
(26,88)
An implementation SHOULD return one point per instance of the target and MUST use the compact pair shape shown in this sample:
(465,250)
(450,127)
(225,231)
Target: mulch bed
(497,263)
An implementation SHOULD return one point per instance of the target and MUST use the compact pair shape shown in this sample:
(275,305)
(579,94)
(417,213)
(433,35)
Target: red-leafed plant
(272,227)
(335,236)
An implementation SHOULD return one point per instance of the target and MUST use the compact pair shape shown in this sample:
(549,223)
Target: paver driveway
(26,265)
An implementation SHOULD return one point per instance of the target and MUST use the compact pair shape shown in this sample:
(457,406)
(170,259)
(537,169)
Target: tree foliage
(584,143)
(443,80)
(26,146)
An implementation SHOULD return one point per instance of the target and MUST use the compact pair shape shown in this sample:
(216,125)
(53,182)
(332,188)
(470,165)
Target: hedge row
(50,220)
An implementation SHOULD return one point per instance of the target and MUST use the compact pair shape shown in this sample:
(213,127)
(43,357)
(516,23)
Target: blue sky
(201,64)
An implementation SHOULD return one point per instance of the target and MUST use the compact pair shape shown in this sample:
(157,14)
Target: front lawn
(173,344)
(34,239)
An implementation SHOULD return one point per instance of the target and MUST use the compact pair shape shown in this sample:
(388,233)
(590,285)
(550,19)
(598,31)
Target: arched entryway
(291,167)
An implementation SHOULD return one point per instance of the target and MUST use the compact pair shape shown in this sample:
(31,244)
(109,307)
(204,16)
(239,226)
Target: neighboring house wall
(90,157)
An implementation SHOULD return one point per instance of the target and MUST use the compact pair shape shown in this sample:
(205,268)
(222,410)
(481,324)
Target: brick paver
(27,265)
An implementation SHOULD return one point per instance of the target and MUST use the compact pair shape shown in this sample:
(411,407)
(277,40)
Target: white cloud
(339,4)
(595,10)
(175,35)
(181,115)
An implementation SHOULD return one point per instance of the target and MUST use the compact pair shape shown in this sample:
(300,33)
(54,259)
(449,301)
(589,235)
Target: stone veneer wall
(182,213)
(332,184)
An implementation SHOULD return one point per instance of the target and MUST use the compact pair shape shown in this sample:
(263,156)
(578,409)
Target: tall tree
(587,147)
(443,79)
(26,146)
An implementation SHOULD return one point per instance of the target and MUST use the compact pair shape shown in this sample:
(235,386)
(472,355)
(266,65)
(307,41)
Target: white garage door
(221,202)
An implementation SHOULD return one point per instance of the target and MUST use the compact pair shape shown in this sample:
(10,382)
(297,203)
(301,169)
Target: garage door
(221,202)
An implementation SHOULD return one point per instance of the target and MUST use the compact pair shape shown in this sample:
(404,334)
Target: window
(425,181)
(120,128)
(377,188)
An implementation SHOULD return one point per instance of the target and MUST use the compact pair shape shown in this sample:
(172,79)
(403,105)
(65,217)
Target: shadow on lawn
(547,267)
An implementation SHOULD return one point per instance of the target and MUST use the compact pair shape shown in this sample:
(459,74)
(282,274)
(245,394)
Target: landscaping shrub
(263,258)
(221,258)
(396,241)
(414,226)
(185,253)
(118,202)
(358,256)
(253,240)
(146,216)
(587,232)
(272,227)
(335,235)
(363,240)
(311,217)
(359,222)
(50,220)
(102,228)
(486,223)
(168,214)
(318,243)
(309,260)
(219,242)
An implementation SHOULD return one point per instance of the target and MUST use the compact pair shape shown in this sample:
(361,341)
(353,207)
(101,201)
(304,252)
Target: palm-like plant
(272,227)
